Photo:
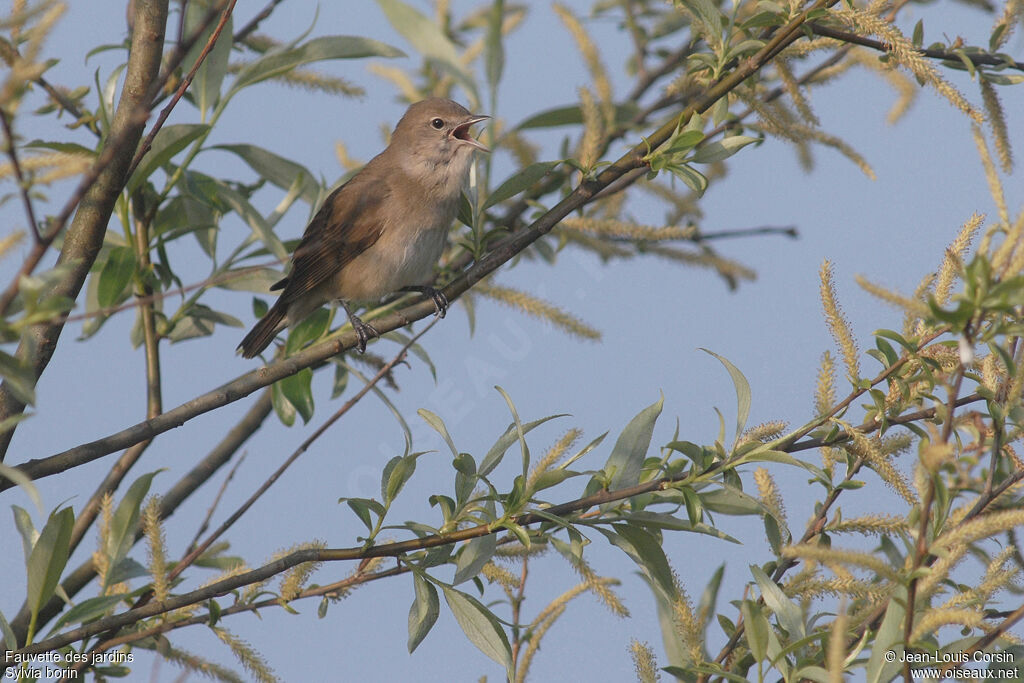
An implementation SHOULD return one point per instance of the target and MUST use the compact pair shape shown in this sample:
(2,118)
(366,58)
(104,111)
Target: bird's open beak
(462,133)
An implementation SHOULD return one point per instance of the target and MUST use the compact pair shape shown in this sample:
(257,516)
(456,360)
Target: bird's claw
(364,332)
(440,301)
(436,295)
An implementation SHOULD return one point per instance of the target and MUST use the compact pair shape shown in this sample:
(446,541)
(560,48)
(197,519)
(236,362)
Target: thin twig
(254,23)
(932,53)
(182,87)
(501,253)
(205,524)
(12,152)
(197,550)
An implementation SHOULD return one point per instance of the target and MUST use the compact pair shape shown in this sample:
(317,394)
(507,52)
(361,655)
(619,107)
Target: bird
(384,230)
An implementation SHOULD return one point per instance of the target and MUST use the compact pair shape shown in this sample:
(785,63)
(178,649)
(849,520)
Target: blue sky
(654,317)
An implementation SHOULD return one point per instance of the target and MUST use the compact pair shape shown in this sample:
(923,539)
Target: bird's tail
(263,333)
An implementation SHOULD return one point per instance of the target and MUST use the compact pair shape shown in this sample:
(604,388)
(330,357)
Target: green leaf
(481,627)
(298,389)
(786,611)
(27,530)
(888,639)
(114,277)
(49,556)
(429,40)
(88,610)
(8,633)
(126,521)
(708,14)
(756,629)
(438,424)
(646,551)
(276,169)
(282,406)
(721,150)
(473,556)
(519,182)
(730,501)
(494,49)
(693,178)
(423,612)
(683,142)
(627,457)
(19,378)
(549,478)
(520,434)
(310,329)
(278,62)
(396,474)
(253,218)
(168,142)
(571,115)
(742,392)
(509,437)
(206,85)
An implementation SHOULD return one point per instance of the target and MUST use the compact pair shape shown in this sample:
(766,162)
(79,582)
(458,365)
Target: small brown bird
(384,230)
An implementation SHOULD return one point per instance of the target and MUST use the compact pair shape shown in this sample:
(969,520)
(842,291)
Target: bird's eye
(438,123)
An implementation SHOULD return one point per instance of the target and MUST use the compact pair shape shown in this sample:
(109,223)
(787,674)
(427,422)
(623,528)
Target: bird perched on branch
(384,230)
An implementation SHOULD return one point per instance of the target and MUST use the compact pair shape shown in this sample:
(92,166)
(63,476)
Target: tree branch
(956,56)
(85,235)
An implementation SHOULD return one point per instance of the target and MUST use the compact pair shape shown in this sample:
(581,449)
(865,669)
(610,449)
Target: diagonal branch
(982,59)
(500,254)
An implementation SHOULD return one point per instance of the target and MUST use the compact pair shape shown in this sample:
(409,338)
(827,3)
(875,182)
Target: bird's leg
(363,330)
(436,295)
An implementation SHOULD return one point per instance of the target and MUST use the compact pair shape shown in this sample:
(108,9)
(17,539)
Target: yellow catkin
(151,525)
(194,663)
(607,227)
(593,130)
(732,271)
(870,524)
(687,625)
(312,80)
(644,662)
(501,576)
(841,557)
(399,78)
(792,88)
(1013,14)
(997,577)
(538,308)
(877,460)
(995,187)
(997,122)
(101,556)
(769,494)
(836,653)
(905,53)
(533,644)
(599,586)
(554,454)
(954,256)
(766,431)
(1016,264)
(934,619)
(837,323)
(907,304)
(8,243)
(982,527)
(294,580)
(48,167)
(247,656)
(592,58)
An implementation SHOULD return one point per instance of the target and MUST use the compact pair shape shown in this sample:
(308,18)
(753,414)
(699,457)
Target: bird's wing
(341,230)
